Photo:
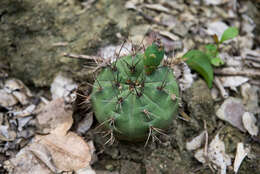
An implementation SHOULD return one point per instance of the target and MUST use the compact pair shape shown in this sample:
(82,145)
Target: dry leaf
(6,99)
(26,163)
(19,90)
(69,152)
(55,114)
(42,153)
(6,134)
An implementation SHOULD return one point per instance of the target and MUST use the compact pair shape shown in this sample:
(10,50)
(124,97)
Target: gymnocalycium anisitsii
(135,98)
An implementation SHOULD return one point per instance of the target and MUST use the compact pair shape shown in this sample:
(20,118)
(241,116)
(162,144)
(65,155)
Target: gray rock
(232,110)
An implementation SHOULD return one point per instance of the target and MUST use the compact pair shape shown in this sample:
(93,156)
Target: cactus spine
(133,98)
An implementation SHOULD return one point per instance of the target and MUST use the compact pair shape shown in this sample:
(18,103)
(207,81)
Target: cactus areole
(133,96)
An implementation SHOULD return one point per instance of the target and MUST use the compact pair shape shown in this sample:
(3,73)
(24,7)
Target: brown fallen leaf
(26,162)
(43,155)
(69,152)
(55,115)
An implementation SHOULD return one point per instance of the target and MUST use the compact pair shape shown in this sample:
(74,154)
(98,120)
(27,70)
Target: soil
(29,30)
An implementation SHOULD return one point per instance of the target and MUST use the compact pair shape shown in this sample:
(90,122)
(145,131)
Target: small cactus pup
(153,56)
(133,98)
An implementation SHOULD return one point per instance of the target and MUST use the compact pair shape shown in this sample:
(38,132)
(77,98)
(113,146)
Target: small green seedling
(202,61)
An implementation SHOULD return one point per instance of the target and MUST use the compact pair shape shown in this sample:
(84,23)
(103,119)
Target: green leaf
(211,50)
(199,61)
(217,61)
(229,33)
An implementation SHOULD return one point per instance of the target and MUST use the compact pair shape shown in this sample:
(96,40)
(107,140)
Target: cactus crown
(133,97)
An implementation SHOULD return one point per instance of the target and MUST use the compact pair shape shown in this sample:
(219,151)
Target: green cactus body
(130,103)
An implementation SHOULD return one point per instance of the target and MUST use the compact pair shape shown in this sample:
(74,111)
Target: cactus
(133,98)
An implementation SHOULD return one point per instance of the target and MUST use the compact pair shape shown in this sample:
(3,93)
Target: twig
(206,155)
(150,19)
(253,59)
(60,44)
(234,72)
(81,56)
(222,90)
(255,82)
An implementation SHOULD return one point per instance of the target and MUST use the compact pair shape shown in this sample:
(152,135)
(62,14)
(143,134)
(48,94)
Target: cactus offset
(133,97)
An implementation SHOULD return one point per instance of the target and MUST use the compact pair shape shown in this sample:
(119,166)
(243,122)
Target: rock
(250,97)
(217,28)
(215,2)
(63,87)
(6,134)
(86,170)
(240,155)
(233,81)
(183,73)
(85,124)
(216,154)
(111,51)
(232,110)
(138,32)
(196,142)
(250,123)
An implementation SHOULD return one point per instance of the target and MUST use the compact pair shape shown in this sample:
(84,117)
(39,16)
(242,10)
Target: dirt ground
(35,35)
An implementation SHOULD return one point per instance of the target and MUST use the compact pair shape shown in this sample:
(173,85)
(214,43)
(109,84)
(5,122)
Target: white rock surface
(240,155)
(217,154)
(250,97)
(196,142)
(217,28)
(215,2)
(233,81)
(62,87)
(249,122)
(232,111)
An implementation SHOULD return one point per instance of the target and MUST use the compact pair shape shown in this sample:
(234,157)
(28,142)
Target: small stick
(150,19)
(81,56)
(234,72)
(255,82)
(222,90)
(149,135)
(254,59)
(206,146)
